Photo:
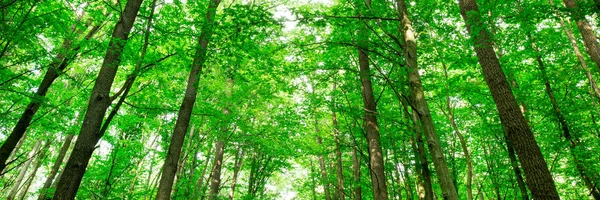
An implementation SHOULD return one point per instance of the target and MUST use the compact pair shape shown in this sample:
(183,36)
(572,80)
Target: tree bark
(55,69)
(376,164)
(17,183)
(215,177)
(338,158)
(239,159)
(98,103)
(323,170)
(539,180)
(36,166)
(587,33)
(356,174)
(420,104)
(187,105)
(515,167)
(59,160)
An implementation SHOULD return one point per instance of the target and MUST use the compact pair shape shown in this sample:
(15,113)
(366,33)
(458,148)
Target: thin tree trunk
(420,104)
(376,164)
(36,166)
(59,160)
(539,180)
(515,166)
(187,105)
(98,103)
(215,177)
(239,159)
(463,142)
(323,170)
(338,158)
(356,174)
(55,69)
(17,183)
(421,157)
(587,33)
(313,182)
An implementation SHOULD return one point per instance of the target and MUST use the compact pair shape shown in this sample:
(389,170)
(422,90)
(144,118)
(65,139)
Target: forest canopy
(307,99)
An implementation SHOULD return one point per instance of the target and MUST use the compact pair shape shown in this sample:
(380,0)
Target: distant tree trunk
(98,103)
(420,104)
(215,177)
(187,105)
(562,121)
(587,32)
(17,183)
(356,174)
(323,170)
(377,172)
(463,142)
(338,158)
(55,69)
(579,55)
(313,182)
(36,166)
(421,163)
(515,166)
(407,182)
(239,159)
(201,182)
(59,160)
(539,180)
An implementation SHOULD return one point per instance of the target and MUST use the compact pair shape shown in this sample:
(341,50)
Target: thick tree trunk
(539,180)
(356,173)
(59,160)
(17,184)
(421,107)
(187,105)
(215,177)
(377,172)
(98,103)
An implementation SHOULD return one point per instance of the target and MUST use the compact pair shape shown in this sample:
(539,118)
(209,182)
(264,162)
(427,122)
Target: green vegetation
(309,99)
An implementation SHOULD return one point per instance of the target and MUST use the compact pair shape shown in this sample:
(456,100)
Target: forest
(300,99)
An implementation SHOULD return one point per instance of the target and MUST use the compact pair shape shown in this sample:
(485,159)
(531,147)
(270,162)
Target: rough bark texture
(587,33)
(59,160)
(187,105)
(539,180)
(215,177)
(421,107)
(376,164)
(98,103)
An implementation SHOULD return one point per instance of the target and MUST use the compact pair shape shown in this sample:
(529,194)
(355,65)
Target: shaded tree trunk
(539,180)
(338,158)
(17,183)
(356,173)
(98,103)
(376,164)
(55,69)
(187,105)
(587,32)
(514,163)
(215,177)
(59,160)
(239,159)
(420,104)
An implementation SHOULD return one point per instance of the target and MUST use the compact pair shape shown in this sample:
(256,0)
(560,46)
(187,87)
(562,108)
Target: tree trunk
(239,159)
(55,69)
(420,104)
(323,170)
(59,160)
(215,177)
(98,103)
(36,166)
(187,105)
(376,164)
(539,179)
(463,142)
(422,164)
(587,33)
(17,183)
(338,158)
(356,174)
(515,166)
